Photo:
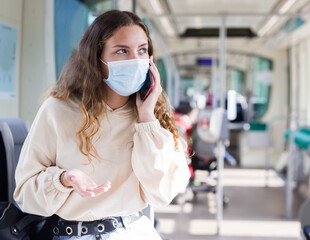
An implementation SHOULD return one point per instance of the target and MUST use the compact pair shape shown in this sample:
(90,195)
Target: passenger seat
(19,128)
(7,168)
(304,218)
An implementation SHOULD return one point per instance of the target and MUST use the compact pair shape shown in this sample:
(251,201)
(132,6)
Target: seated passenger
(96,153)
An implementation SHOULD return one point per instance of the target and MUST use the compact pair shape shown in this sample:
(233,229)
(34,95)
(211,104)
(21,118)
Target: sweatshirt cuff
(58,185)
(148,126)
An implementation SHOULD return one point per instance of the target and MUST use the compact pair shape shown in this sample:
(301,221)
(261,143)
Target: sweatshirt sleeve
(38,188)
(161,170)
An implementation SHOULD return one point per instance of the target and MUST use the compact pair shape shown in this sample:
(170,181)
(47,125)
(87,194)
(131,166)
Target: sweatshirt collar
(127,108)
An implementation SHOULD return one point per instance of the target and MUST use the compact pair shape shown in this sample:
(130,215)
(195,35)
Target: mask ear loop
(105,64)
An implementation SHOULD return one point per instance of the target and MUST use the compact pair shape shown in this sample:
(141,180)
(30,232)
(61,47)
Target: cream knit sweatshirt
(138,159)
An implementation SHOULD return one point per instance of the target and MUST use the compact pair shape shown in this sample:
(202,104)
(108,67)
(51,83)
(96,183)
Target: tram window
(163,72)
(261,89)
(70,23)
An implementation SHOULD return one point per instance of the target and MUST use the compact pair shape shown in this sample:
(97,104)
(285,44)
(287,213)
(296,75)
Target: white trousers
(141,229)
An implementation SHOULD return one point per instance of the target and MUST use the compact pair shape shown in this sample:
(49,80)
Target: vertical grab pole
(220,145)
(214,84)
(134,6)
(293,127)
(267,154)
(290,176)
(114,4)
(222,55)
(219,187)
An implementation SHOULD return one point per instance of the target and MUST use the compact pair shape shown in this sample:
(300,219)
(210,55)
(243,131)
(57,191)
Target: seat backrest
(7,169)
(201,148)
(304,213)
(19,128)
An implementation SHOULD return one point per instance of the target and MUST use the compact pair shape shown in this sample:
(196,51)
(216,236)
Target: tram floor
(254,211)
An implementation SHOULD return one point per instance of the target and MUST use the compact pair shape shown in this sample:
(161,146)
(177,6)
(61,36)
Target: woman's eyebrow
(120,46)
(125,46)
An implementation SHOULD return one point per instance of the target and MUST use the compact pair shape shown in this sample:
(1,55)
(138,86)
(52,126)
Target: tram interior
(248,58)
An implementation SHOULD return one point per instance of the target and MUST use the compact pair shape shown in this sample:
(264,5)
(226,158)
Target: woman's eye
(142,50)
(121,51)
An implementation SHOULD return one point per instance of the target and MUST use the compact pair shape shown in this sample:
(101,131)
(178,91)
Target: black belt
(98,227)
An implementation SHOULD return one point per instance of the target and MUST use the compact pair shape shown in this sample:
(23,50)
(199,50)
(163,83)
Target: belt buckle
(114,221)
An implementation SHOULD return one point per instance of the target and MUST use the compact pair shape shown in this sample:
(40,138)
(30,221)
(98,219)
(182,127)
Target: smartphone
(146,87)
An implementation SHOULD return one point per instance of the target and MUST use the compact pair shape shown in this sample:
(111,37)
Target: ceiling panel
(207,9)
(221,6)
(212,21)
(181,15)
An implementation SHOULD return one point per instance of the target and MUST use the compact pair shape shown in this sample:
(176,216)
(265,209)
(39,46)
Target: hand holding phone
(147,86)
(152,83)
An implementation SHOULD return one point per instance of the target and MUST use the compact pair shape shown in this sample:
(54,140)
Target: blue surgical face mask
(126,77)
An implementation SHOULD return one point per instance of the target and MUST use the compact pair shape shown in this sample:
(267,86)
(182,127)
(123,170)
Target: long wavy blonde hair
(81,79)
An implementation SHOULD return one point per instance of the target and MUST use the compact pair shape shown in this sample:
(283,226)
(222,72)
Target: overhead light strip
(168,26)
(164,20)
(157,7)
(271,22)
(286,6)
(268,26)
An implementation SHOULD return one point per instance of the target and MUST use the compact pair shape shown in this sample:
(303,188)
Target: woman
(97,154)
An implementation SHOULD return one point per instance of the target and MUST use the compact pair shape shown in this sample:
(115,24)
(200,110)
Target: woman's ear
(105,69)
